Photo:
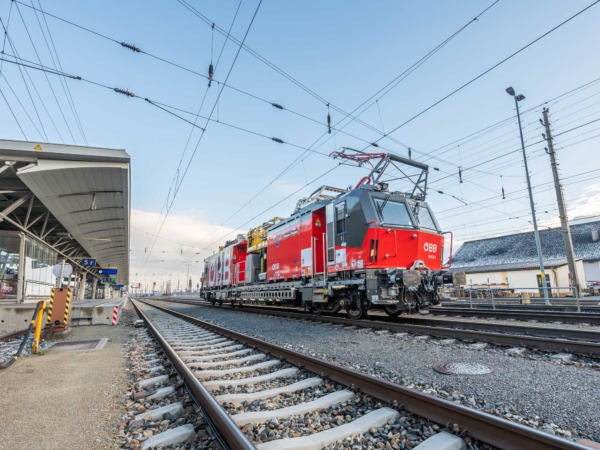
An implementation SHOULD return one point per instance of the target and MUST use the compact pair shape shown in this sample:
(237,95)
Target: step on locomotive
(356,249)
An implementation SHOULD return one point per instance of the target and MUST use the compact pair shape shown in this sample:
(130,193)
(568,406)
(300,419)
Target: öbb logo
(275,266)
(430,247)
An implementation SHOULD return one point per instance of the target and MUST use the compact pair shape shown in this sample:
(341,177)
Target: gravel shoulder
(558,399)
(65,399)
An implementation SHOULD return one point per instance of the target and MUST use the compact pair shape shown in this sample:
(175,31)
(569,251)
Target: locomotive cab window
(425,219)
(393,213)
(340,218)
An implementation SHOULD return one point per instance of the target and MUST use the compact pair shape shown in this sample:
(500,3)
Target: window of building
(39,261)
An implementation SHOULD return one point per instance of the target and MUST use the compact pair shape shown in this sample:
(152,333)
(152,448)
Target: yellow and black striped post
(50,307)
(67,306)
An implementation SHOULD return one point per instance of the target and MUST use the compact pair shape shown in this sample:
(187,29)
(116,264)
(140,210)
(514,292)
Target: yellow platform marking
(49,320)
(66,316)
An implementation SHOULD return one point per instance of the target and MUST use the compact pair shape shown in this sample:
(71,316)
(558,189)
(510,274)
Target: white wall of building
(592,270)
(526,280)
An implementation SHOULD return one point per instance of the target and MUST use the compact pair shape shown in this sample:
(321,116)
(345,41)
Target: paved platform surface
(65,400)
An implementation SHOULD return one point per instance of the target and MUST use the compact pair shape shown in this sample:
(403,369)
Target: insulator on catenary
(440,192)
(435,168)
(374,144)
(124,92)
(460,175)
(278,140)
(131,47)
(210,74)
(409,153)
(328,120)
(503,194)
(277,106)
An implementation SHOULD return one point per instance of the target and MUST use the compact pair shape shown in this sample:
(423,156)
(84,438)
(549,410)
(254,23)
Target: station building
(511,261)
(62,203)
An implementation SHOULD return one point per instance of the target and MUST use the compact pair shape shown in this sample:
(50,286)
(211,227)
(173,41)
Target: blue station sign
(107,271)
(88,262)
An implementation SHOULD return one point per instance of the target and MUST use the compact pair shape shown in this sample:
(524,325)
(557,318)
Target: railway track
(209,357)
(582,342)
(542,316)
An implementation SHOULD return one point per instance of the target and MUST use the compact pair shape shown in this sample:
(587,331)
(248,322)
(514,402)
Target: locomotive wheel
(356,314)
(393,310)
(320,309)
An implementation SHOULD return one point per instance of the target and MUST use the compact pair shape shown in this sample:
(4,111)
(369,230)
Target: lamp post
(518,98)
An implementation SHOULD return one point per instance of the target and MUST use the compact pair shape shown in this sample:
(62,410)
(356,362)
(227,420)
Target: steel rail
(543,316)
(229,432)
(490,429)
(562,333)
(13,335)
(554,343)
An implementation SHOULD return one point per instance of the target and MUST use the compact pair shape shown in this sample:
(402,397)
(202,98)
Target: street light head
(510,91)
(520,97)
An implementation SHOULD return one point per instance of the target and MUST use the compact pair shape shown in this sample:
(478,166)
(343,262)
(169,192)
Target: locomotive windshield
(393,213)
(425,219)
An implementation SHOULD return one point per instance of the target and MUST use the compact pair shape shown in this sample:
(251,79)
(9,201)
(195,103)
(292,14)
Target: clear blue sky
(345,52)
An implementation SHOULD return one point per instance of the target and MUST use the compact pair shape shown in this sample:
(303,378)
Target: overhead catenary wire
(66,84)
(160,105)
(22,106)
(46,76)
(138,50)
(491,68)
(17,57)
(43,135)
(13,114)
(212,112)
(393,83)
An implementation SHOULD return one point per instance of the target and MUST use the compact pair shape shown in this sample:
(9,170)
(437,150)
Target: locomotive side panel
(283,251)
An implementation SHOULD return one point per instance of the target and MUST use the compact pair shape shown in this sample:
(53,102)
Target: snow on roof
(515,250)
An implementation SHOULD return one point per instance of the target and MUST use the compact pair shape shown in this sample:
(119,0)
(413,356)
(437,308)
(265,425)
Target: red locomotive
(358,249)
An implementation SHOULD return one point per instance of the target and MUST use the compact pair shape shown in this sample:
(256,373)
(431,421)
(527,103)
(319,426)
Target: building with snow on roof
(511,261)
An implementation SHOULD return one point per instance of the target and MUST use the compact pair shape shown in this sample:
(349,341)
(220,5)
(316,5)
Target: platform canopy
(75,199)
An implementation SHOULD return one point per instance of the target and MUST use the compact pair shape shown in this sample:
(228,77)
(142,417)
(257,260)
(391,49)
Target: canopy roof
(76,199)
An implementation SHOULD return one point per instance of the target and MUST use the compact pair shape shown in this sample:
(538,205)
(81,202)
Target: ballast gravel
(556,398)
(405,432)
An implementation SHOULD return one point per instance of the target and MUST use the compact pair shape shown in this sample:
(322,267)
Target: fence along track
(481,426)
(542,316)
(582,342)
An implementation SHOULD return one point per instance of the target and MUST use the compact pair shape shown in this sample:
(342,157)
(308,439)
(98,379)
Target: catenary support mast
(562,210)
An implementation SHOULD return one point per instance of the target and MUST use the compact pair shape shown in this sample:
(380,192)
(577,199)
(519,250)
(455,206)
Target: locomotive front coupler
(403,277)
(454,278)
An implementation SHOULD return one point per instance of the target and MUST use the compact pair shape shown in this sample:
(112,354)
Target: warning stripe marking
(49,319)
(115,315)
(67,304)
